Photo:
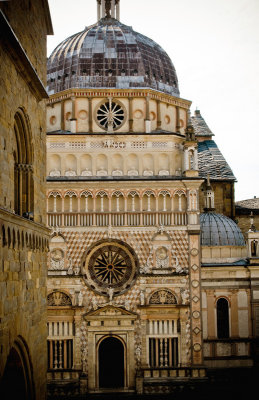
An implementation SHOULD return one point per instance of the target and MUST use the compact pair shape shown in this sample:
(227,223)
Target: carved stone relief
(58,299)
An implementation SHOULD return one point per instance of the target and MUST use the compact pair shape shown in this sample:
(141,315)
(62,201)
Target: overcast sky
(214,46)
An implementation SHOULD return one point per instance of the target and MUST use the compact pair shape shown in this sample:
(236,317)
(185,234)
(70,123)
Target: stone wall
(23,238)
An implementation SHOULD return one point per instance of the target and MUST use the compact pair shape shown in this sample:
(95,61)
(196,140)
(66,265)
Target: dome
(110,55)
(219,230)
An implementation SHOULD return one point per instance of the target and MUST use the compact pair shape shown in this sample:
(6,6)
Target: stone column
(117,2)
(178,126)
(195,297)
(77,345)
(211,314)
(130,115)
(73,119)
(90,115)
(147,119)
(62,118)
(159,122)
(98,10)
(113,8)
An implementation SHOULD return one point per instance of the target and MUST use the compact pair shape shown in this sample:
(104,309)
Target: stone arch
(86,166)
(102,201)
(70,165)
(163,164)
(117,165)
(148,165)
(133,201)
(107,347)
(54,201)
(70,201)
(86,201)
(17,381)
(222,312)
(132,165)
(117,201)
(54,165)
(149,200)
(23,171)
(101,165)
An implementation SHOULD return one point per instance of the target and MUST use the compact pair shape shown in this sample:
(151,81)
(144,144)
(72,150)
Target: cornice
(119,93)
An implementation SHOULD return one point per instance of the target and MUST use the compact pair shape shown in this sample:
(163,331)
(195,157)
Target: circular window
(82,114)
(152,116)
(53,120)
(167,119)
(110,115)
(110,264)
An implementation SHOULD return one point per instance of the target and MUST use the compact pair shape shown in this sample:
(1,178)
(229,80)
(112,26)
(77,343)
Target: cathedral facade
(149,279)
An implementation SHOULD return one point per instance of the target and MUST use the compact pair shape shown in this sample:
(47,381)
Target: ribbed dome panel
(110,55)
(219,230)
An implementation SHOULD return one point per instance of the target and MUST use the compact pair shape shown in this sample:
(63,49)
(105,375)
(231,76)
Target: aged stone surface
(24,237)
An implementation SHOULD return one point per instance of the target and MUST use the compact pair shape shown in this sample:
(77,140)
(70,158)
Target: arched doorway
(111,363)
(17,382)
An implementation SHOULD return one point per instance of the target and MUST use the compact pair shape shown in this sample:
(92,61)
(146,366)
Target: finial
(208,182)
(190,135)
(252,227)
(108,9)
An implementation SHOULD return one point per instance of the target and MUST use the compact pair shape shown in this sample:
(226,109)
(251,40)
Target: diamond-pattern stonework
(140,241)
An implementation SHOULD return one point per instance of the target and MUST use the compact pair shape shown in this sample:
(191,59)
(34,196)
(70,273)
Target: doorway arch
(17,382)
(111,362)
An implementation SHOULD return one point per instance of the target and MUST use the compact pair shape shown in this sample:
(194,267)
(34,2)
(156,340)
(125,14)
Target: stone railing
(227,348)
(174,373)
(70,219)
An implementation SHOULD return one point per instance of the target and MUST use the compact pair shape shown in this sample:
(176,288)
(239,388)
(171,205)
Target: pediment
(110,311)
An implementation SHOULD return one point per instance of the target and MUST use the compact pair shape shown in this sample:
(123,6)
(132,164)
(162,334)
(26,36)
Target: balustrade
(148,218)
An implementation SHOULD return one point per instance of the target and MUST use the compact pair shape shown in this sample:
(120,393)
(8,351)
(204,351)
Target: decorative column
(90,115)
(77,344)
(73,119)
(98,10)
(159,122)
(186,159)
(195,297)
(177,122)
(130,115)
(62,118)
(117,2)
(103,9)
(113,8)
(62,211)
(147,120)
(156,199)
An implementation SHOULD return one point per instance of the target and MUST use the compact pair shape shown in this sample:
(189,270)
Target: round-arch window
(110,115)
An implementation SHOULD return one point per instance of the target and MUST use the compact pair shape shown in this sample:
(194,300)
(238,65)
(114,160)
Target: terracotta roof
(211,162)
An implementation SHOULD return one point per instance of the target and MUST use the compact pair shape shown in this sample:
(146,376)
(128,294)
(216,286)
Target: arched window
(23,172)
(222,319)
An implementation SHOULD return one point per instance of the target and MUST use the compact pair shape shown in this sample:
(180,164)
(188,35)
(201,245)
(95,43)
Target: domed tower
(123,205)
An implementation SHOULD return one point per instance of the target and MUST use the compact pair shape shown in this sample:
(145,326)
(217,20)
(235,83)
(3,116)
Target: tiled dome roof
(219,230)
(110,55)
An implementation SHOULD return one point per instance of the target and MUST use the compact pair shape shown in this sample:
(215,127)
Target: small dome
(219,230)
(110,55)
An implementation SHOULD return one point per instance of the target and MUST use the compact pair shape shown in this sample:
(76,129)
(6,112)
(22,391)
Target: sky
(214,46)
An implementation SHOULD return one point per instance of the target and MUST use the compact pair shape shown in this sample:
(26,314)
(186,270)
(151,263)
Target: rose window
(110,264)
(110,115)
